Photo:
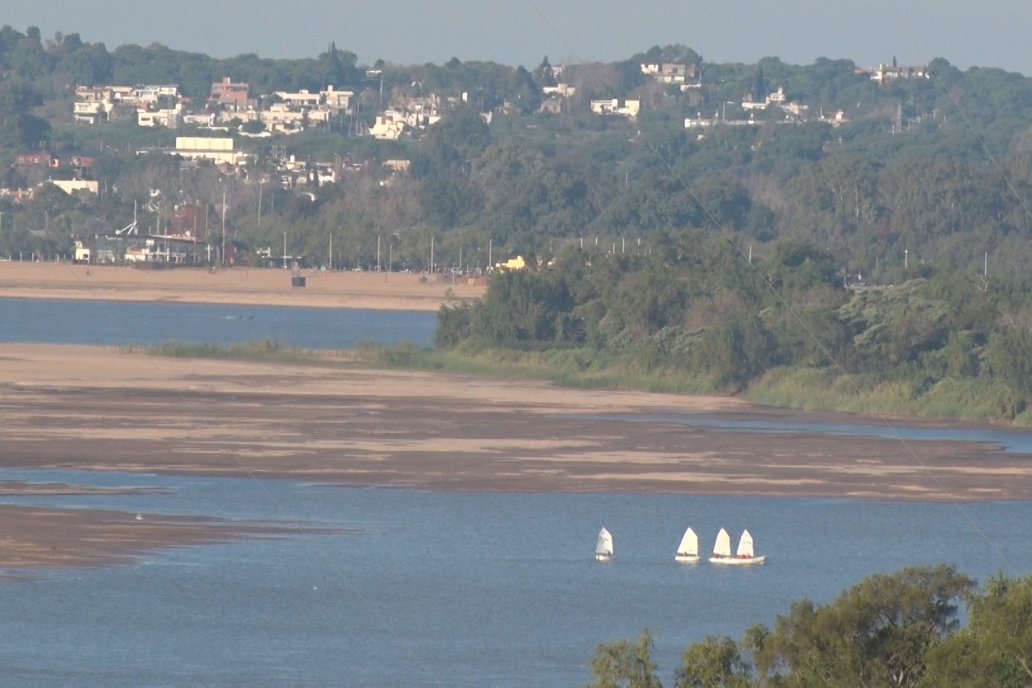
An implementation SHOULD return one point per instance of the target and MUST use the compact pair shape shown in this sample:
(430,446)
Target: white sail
(688,550)
(745,555)
(689,546)
(722,547)
(745,545)
(604,546)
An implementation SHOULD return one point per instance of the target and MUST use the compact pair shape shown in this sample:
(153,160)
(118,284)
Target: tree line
(893,631)
(696,309)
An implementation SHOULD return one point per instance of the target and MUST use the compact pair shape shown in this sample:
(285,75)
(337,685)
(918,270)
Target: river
(429,588)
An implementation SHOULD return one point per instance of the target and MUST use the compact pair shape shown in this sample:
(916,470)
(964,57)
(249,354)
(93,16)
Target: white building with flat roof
(218,150)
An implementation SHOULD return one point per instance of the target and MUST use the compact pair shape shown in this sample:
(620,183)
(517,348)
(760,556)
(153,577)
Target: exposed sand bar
(238,286)
(106,409)
(35,538)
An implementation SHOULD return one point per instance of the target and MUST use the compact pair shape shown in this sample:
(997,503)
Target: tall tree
(878,633)
(759,85)
(18,126)
(625,664)
(714,663)
(544,75)
(995,648)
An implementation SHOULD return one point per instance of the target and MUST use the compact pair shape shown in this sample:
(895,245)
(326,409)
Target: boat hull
(738,561)
(603,557)
(687,558)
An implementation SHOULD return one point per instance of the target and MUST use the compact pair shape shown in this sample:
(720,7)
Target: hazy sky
(514,32)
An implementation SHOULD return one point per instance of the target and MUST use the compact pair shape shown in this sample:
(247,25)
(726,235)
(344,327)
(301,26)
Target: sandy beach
(96,408)
(238,286)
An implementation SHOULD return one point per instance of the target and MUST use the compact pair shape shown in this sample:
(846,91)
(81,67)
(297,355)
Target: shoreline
(240,286)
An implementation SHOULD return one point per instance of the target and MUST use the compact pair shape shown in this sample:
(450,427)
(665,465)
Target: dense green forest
(899,631)
(873,262)
(692,313)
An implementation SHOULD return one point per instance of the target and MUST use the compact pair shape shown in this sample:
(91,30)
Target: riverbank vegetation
(692,312)
(901,631)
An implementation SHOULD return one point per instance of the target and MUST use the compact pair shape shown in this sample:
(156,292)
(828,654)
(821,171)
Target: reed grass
(812,389)
(804,388)
(265,351)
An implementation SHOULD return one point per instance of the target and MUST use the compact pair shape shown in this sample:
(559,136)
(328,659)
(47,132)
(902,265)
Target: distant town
(216,130)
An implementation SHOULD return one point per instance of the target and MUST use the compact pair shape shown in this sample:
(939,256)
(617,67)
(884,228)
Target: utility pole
(261,184)
(284,250)
(223,226)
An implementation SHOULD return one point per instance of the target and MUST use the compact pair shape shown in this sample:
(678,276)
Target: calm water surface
(115,323)
(453,589)
(1005,439)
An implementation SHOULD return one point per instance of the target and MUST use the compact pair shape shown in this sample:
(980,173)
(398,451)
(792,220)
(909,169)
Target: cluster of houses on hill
(233,106)
(284,112)
(229,103)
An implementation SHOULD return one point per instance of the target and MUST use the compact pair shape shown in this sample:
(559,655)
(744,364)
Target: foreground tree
(714,663)
(625,664)
(878,633)
(995,648)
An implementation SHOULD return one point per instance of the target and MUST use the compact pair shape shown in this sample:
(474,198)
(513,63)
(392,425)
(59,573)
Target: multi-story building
(230,95)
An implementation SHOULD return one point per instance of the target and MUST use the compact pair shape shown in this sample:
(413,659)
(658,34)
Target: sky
(522,32)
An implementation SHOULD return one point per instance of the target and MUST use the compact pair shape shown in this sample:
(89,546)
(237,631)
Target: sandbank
(38,538)
(110,409)
(237,286)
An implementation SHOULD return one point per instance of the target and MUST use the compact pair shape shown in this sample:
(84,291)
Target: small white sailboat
(744,556)
(604,546)
(688,550)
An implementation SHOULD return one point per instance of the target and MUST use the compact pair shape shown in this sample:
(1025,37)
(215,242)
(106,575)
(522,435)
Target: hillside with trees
(819,235)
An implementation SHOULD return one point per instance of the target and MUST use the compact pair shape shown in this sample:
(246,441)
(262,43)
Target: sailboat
(744,556)
(688,550)
(604,547)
